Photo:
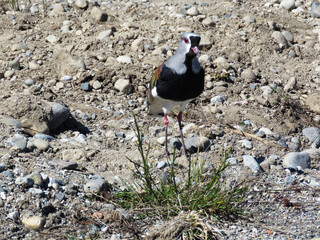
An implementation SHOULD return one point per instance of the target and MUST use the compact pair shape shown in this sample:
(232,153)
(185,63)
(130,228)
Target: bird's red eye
(186,40)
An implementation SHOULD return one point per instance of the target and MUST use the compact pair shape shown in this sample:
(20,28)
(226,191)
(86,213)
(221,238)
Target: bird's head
(189,44)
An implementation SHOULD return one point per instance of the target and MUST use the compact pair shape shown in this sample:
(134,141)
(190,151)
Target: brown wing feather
(153,81)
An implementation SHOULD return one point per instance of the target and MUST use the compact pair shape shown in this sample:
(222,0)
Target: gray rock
(18,141)
(193,11)
(36,191)
(85,86)
(312,134)
(96,186)
(15,64)
(232,161)
(52,39)
(60,196)
(248,75)
(64,164)
(295,159)
(58,115)
(28,82)
(96,85)
(282,142)
(66,78)
(280,39)
(37,178)
(2,167)
(194,144)
(249,19)
(292,53)
(287,4)
(122,85)
(41,145)
(24,181)
(251,162)
(58,8)
(175,143)
(104,34)
(315,9)
(82,4)
(11,122)
(247,144)
(208,22)
(44,137)
(290,84)
(99,15)
(288,36)
(217,99)
(124,59)
(162,164)
(8,174)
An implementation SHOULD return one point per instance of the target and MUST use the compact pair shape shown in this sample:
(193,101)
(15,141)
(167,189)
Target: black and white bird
(177,82)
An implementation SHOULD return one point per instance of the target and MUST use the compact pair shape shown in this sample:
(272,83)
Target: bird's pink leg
(181,133)
(166,122)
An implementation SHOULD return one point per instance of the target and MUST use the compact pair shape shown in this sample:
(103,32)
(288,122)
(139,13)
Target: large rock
(58,114)
(34,223)
(295,159)
(195,144)
(251,162)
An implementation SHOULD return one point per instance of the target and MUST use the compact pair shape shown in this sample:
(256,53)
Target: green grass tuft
(201,191)
(14,4)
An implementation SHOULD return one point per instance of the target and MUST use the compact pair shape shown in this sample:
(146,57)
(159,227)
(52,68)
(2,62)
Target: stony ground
(73,73)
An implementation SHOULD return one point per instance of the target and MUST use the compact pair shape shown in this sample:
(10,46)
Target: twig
(245,134)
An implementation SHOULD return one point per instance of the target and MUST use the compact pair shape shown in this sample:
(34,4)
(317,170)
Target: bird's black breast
(180,87)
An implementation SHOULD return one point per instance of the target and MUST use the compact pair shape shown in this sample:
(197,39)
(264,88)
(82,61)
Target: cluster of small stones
(74,72)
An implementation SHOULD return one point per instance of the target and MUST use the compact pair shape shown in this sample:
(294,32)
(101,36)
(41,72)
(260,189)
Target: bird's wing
(156,76)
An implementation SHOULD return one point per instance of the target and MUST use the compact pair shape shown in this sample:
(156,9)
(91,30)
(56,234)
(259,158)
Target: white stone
(287,4)
(124,59)
(104,34)
(193,11)
(81,3)
(137,45)
(121,84)
(52,39)
(34,223)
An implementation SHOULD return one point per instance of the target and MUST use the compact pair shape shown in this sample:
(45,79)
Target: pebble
(208,22)
(8,73)
(60,196)
(161,140)
(96,85)
(315,9)
(121,84)
(58,115)
(288,36)
(52,39)
(137,45)
(85,86)
(222,63)
(44,137)
(58,8)
(66,78)
(82,4)
(175,143)
(247,144)
(19,141)
(96,186)
(280,39)
(24,181)
(34,223)
(98,14)
(37,178)
(41,145)
(292,53)
(232,161)
(248,75)
(249,19)
(13,215)
(2,167)
(295,159)
(14,64)
(251,162)
(11,122)
(312,134)
(104,34)
(64,164)
(217,99)
(193,144)
(287,4)
(282,142)
(124,59)
(162,164)
(28,82)
(193,11)
(292,82)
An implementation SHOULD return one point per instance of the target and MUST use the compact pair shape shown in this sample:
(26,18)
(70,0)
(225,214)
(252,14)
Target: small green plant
(14,4)
(165,196)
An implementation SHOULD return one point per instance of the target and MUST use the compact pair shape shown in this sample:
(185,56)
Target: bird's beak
(195,49)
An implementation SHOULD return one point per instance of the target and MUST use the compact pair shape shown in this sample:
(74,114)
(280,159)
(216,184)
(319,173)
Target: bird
(176,82)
